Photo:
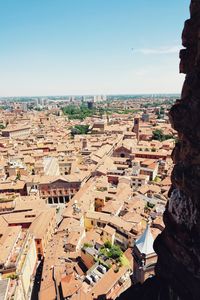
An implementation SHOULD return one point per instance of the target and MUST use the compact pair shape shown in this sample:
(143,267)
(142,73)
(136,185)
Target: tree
(78,112)
(108,244)
(158,135)
(87,245)
(79,129)
(115,252)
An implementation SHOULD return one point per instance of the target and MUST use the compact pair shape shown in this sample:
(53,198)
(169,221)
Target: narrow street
(37,281)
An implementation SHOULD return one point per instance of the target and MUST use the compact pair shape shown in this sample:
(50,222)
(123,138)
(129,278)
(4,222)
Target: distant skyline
(91,95)
(82,47)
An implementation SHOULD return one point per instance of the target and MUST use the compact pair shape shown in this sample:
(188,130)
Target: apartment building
(16,131)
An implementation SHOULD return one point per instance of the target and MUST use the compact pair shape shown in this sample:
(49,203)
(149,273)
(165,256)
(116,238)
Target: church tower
(144,257)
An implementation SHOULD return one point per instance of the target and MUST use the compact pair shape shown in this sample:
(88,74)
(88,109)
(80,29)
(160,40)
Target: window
(29,216)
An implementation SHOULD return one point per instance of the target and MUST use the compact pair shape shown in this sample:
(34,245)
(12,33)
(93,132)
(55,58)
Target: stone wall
(178,247)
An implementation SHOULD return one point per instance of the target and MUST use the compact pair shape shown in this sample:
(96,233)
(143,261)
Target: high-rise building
(100,98)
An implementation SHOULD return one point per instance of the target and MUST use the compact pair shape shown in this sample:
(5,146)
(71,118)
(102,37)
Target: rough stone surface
(178,246)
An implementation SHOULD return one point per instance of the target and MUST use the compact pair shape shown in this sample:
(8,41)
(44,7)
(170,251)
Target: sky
(81,47)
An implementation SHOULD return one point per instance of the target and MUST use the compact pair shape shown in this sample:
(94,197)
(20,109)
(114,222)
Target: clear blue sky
(60,47)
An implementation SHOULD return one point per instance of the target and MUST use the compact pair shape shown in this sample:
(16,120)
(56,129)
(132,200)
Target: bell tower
(144,256)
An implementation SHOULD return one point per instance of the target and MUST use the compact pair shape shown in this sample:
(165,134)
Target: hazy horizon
(90,95)
(77,47)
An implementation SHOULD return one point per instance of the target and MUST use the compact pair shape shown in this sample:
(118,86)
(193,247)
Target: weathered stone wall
(178,247)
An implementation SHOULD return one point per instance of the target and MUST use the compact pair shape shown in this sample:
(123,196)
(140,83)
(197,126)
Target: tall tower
(136,127)
(144,257)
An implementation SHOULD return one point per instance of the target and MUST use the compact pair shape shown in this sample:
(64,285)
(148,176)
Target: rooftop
(145,242)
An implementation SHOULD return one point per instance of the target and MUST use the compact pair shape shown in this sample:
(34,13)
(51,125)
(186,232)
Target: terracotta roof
(70,285)
(105,284)
(7,242)
(40,225)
